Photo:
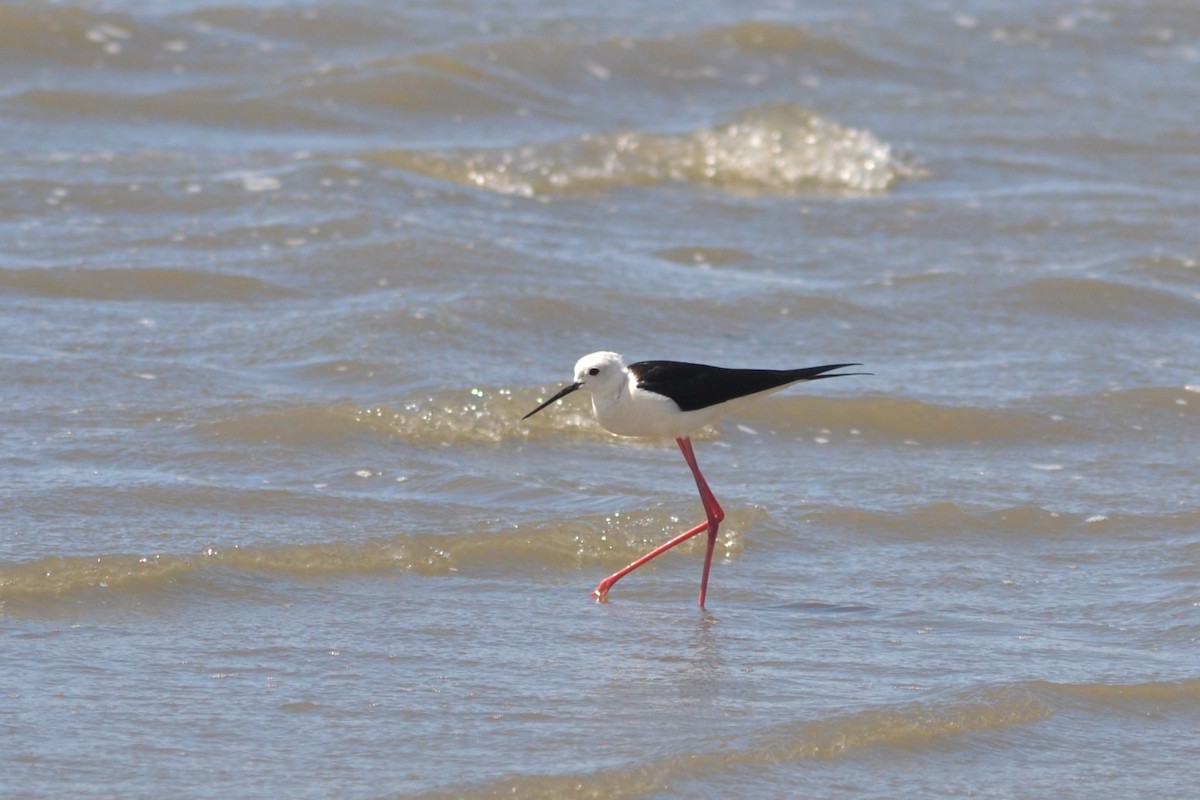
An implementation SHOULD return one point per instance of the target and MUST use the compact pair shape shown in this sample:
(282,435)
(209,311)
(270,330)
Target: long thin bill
(566,391)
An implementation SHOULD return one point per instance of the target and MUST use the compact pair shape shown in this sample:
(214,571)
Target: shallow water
(278,282)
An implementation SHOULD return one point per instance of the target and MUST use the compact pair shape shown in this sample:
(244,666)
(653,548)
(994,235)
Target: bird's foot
(601,592)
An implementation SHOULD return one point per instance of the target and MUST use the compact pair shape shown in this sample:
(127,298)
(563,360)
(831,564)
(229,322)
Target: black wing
(696,386)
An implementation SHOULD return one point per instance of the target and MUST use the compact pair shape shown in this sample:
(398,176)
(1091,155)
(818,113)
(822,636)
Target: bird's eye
(594,371)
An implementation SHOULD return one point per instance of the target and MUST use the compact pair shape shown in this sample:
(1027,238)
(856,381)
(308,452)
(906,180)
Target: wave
(912,726)
(1126,404)
(191,65)
(927,520)
(33,33)
(603,541)
(492,415)
(83,35)
(773,40)
(296,425)
(1139,698)
(151,283)
(468,417)
(1104,301)
(207,106)
(148,38)
(782,149)
(1164,269)
(558,75)
(600,541)
(911,421)
(1046,419)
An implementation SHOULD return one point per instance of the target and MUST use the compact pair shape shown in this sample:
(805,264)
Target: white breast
(636,412)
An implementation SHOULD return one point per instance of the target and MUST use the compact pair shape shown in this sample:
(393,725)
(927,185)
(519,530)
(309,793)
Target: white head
(600,373)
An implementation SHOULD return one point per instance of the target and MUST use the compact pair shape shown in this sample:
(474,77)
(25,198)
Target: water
(278,281)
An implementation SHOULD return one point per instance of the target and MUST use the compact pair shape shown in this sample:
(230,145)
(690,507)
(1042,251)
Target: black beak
(566,391)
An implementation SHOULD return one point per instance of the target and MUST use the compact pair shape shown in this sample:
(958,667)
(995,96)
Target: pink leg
(601,592)
(712,510)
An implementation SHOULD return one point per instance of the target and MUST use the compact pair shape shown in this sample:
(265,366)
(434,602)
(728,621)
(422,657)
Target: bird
(674,399)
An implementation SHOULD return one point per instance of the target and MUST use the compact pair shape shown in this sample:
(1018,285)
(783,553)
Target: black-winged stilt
(673,399)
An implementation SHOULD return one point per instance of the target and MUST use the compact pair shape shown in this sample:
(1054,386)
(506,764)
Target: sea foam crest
(777,150)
